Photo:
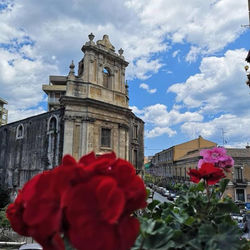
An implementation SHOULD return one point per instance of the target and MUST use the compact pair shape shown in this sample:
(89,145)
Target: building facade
(164,162)
(30,146)
(88,111)
(239,185)
(173,164)
(3,112)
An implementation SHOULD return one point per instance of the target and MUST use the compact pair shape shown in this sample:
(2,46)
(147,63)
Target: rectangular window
(135,132)
(57,95)
(106,137)
(238,173)
(76,141)
(240,194)
(135,158)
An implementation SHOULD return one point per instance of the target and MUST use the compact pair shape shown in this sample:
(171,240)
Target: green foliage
(199,219)
(4,222)
(4,198)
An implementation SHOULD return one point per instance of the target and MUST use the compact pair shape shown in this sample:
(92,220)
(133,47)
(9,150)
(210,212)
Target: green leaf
(223,185)
(153,204)
(200,186)
(148,192)
(206,231)
(189,221)
(227,207)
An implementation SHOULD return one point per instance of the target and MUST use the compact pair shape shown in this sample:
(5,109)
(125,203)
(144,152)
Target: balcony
(240,182)
(3,110)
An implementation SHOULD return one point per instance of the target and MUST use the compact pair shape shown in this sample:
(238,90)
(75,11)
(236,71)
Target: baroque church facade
(87,111)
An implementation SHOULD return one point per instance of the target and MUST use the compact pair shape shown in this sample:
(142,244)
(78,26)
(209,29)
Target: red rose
(99,202)
(36,212)
(208,172)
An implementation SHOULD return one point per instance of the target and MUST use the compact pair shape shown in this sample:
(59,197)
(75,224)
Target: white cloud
(16,114)
(146,87)
(21,83)
(52,36)
(158,131)
(209,25)
(235,128)
(219,87)
(144,68)
(175,53)
(161,120)
(136,110)
(220,95)
(193,54)
(158,115)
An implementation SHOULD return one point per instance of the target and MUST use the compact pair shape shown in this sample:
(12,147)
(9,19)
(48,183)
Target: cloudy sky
(186,61)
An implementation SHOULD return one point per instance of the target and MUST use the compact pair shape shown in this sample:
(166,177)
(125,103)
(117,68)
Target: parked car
(159,189)
(171,196)
(31,246)
(165,192)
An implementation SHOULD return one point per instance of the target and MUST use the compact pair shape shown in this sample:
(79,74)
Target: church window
(53,136)
(135,132)
(135,159)
(52,125)
(106,78)
(19,131)
(105,71)
(106,137)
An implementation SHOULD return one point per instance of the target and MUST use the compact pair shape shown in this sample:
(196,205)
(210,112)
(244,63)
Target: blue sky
(186,61)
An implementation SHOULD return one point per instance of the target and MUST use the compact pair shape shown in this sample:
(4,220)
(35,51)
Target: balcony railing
(241,181)
(54,100)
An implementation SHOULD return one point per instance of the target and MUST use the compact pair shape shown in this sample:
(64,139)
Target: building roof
(234,152)
(58,80)
(238,152)
(3,101)
(196,139)
(191,154)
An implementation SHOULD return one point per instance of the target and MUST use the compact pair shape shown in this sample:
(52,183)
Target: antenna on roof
(247,25)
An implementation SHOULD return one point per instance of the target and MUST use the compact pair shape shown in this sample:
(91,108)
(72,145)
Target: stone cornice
(79,117)
(112,55)
(94,103)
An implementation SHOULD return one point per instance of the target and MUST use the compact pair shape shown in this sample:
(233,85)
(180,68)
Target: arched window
(106,77)
(52,125)
(53,140)
(19,131)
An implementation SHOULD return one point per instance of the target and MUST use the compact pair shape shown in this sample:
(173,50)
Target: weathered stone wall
(136,142)
(30,146)
(91,116)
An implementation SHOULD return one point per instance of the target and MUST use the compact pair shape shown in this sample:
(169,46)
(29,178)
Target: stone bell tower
(103,72)
(97,117)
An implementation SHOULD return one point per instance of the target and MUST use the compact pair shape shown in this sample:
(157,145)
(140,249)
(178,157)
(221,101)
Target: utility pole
(247,25)
(223,137)
(248,55)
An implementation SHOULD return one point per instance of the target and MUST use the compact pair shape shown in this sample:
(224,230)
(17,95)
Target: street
(158,196)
